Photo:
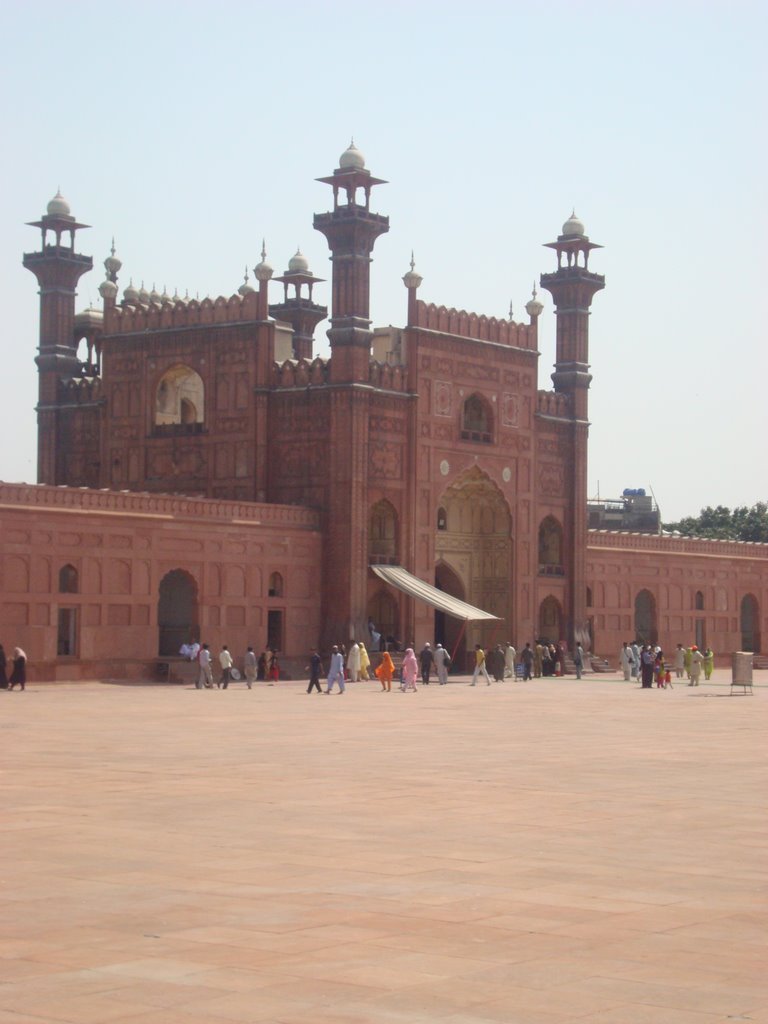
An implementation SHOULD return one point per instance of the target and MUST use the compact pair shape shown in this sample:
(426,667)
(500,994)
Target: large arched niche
(180,398)
(474,552)
(177,611)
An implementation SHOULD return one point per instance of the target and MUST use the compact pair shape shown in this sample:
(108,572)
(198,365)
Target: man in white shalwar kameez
(510,654)
(353,663)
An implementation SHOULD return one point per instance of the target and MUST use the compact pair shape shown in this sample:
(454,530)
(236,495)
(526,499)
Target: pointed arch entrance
(474,553)
(550,620)
(646,629)
(448,629)
(749,622)
(177,612)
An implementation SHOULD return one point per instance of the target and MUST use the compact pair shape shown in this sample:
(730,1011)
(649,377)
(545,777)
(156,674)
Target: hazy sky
(190,130)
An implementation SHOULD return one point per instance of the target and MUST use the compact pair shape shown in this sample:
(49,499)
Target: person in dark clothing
(19,673)
(3,664)
(426,661)
(315,667)
(527,659)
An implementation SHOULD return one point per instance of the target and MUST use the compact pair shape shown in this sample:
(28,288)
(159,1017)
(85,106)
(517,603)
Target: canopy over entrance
(399,577)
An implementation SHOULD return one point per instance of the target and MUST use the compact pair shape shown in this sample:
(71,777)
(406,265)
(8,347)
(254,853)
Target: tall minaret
(57,268)
(351,230)
(573,286)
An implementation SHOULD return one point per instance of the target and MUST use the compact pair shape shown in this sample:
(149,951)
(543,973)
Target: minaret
(57,268)
(351,230)
(573,286)
(300,312)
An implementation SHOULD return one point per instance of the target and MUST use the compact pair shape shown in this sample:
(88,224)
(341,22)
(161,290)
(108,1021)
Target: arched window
(551,547)
(589,597)
(699,601)
(180,399)
(442,519)
(69,580)
(382,534)
(476,420)
(275,585)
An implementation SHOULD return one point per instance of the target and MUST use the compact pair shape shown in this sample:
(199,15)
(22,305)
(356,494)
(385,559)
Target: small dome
(108,289)
(533,307)
(412,279)
(131,294)
(246,288)
(298,264)
(112,264)
(89,317)
(352,159)
(263,271)
(165,297)
(143,295)
(58,206)
(573,227)
(154,295)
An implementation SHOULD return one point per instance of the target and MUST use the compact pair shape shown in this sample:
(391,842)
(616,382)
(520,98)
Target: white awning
(399,577)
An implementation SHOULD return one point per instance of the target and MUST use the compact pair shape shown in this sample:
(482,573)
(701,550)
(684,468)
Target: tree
(722,523)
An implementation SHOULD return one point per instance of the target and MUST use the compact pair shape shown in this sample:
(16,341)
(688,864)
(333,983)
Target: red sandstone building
(203,474)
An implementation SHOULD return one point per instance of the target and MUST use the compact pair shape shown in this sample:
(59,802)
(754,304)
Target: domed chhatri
(112,264)
(573,227)
(352,159)
(131,294)
(58,206)
(298,263)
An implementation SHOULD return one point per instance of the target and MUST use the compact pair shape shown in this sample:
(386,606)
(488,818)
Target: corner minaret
(573,286)
(57,268)
(351,230)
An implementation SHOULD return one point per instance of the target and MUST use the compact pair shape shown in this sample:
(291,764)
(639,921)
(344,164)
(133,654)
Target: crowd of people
(647,664)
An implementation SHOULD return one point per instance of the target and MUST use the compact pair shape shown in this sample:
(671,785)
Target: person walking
(696,660)
(336,670)
(251,667)
(538,659)
(410,670)
(679,661)
(442,664)
(510,656)
(426,661)
(526,657)
(19,671)
(625,660)
(385,672)
(225,660)
(315,668)
(647,659)
(205,675)
(3,667)
(365,662)
(578,660)
(353,663)
(480,669)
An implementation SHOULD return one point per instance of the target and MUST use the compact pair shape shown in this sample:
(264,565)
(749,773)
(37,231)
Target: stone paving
(528,853)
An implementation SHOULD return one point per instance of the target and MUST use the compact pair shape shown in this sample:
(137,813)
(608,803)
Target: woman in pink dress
(410,670)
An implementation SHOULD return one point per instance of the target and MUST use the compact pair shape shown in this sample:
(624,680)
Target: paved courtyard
(537,853)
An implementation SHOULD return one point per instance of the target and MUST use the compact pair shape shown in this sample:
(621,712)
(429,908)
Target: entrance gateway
(441,601)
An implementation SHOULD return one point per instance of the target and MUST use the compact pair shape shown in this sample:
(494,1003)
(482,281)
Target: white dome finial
(533,307)
(263,271)
(412,279)
(352,159)
(573,227)
(58,206)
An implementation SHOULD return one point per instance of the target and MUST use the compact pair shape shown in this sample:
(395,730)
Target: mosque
(204,474)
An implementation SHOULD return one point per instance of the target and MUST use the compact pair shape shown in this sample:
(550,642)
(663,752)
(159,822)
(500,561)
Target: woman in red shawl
(385,671)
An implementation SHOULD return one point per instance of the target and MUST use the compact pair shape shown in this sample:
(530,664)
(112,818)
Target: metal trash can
(742,671)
